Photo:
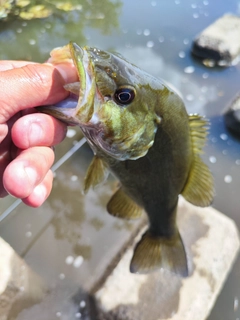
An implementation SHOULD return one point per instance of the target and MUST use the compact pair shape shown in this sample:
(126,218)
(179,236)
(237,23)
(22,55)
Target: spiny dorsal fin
(96,174)
(199,189)
(122,206)
(152,253)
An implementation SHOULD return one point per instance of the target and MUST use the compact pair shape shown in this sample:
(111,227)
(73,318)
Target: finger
(37,130)
(12,64)
(33,85)
(40,192)
(25,172)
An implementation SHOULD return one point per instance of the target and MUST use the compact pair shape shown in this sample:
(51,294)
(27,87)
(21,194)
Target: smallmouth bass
(138,129)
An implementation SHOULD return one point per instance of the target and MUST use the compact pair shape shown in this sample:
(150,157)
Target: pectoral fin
(199,188)
(97,173)
(122,206)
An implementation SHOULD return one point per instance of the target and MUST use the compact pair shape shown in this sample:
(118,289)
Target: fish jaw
(78,108)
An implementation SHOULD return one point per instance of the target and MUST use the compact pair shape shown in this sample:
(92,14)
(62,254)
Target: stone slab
(219,41)
(212,244)
(20,287)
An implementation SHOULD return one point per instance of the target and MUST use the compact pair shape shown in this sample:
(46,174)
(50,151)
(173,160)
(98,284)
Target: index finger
(33,85)
(12,64)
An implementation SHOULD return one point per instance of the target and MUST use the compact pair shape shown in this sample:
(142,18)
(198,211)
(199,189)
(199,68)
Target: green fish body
(138,128)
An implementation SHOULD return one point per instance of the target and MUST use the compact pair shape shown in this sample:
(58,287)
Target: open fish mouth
(79,107)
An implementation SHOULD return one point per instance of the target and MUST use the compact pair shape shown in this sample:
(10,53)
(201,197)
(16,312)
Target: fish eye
(124,96)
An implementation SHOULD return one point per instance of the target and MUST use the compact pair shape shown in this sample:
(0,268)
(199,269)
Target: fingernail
(32,175)
(35,133)
(40,192)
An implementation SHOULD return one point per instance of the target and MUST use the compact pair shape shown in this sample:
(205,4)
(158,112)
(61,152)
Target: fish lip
(83,112)
(89,95)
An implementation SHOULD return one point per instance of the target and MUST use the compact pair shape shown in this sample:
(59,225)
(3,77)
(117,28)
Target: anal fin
(122,206)
(96,174)
(153,253)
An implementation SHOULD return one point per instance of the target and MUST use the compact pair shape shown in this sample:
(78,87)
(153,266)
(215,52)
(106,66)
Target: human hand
(26,137)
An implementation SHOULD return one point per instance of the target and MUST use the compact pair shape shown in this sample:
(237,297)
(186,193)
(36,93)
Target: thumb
(33,85)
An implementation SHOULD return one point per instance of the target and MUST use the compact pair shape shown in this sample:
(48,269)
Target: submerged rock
(232,117)
(219,43)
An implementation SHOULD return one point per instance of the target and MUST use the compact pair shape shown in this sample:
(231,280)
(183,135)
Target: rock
(212,244)
(20,287)
(219,42)
(232,117)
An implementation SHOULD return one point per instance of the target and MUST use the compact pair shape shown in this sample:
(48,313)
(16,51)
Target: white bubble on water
(205,75)
(161,39)
(189,69)
(78,315)
(69,260)
(150,44)
(32,42)
(195,15)
(82,304)
(224,152)
(205,2)
(186,41)
(28,234)
(212,159)
(214,140)
(194,5)
(177,1)
(74,178)
(154,3)
(62,276)
(238,162)
(190,97)
(139,32)
(204,89)
(182,54)
(19,30)
(58,314)
(228,179)
(78,262)
(224,136)
(235,304)
(146,32)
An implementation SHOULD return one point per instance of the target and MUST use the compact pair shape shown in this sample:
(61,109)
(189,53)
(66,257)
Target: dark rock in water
(232,117)
(219,42)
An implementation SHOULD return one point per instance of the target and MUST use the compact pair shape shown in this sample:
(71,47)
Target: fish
(139,130)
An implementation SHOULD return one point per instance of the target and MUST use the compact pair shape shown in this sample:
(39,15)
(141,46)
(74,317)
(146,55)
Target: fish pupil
(124,95)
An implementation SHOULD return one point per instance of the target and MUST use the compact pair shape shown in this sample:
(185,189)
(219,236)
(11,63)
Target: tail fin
(152,253)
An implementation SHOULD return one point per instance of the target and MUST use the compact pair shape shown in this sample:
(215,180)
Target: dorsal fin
(122,206)
(199,188)
(96,174)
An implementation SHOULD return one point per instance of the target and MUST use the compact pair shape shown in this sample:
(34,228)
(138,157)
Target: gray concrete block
(20,287)
(212,244)
(219,42)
